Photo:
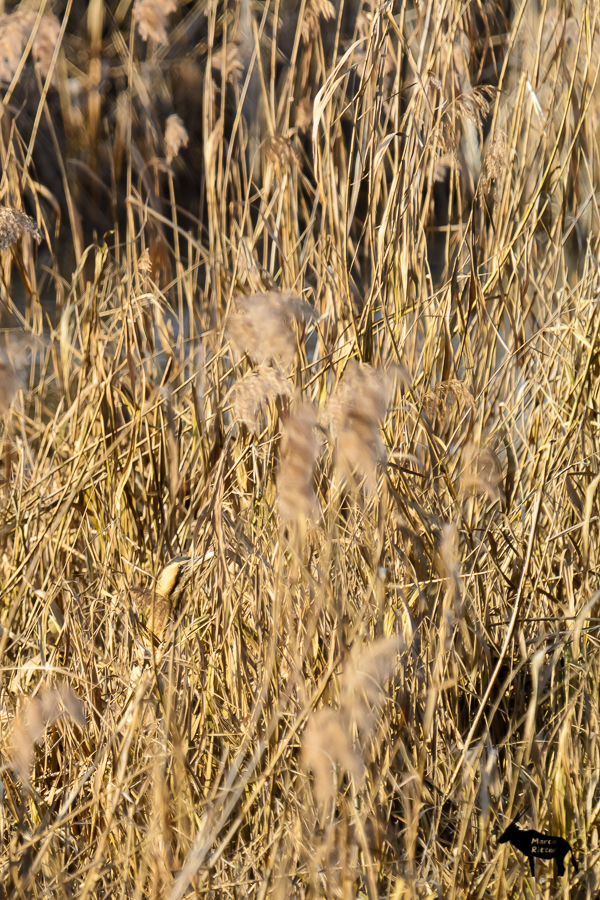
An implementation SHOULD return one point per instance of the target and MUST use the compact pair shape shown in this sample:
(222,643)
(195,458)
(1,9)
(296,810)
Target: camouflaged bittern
(154,608)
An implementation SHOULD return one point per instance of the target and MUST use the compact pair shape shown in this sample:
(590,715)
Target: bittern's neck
(167,581)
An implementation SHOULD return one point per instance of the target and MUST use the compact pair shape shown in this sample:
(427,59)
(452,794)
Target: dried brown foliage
(473,106)
(442,400)
(279,741)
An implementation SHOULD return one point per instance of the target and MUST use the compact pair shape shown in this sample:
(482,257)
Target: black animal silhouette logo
(534,843)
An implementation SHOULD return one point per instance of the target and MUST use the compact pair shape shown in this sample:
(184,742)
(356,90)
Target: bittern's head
(176,575)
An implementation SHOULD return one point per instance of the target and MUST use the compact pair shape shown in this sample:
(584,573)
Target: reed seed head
(313,11)
(281,152)
(326,744)
(15,29)
(13,223)
(494,160)
(481,472)
(304,114)
(354,414)
(295,479)
(150,16)
(36,716)
(255,391)
(176,137)
(231,59)
(263,325)
(364,679)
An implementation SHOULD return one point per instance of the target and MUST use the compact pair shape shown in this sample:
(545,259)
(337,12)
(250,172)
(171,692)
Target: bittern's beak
(194,562)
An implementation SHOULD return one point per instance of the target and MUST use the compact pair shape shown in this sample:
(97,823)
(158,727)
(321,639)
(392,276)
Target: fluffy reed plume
(315,10)
(362,685)
(495,158)
(38,714)
(263,325)
(160,833)
(354,414)
(14,365)
(441,400)
(13,223)
(150,16)
(304,114)
(448,547)
(231,59)
(473,105)
(435,82)
(255,391)
(11,381)
(12,41)
(15,29)
(328,738)
(45,43)
(448,550)
(490,781)
(176,137)
(144,262)
(300,449)
(326,744)
(281,152)
(482,472)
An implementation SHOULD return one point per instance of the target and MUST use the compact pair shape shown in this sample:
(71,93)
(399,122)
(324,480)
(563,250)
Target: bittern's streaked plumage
(154,609)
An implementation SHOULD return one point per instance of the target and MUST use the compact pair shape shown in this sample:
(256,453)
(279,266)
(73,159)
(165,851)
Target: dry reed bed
(367,379)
